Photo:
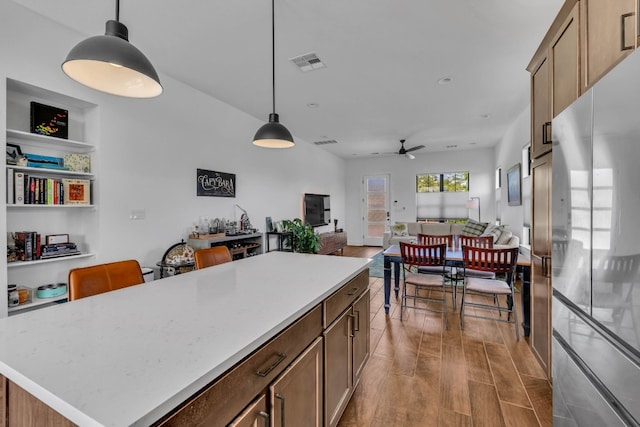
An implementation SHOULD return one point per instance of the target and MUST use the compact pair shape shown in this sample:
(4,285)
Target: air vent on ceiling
(329,141)
(308,62)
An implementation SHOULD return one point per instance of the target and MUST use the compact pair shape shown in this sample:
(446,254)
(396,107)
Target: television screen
(317,209)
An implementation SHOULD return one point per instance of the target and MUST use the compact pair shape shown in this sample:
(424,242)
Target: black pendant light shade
(273,134)
(111,64)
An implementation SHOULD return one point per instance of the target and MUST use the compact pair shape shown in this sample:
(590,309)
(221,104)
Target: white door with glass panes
(376,208)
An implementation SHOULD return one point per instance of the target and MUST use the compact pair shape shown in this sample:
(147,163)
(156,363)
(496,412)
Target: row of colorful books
(28,246)
(25,189)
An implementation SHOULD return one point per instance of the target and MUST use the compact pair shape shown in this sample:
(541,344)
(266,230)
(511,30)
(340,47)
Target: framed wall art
(215,184)
(514,197)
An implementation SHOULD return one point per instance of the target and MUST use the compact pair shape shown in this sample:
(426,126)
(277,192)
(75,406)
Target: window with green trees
(442,196)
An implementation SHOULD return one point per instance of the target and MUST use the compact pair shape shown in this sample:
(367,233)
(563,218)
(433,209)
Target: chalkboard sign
(215,184)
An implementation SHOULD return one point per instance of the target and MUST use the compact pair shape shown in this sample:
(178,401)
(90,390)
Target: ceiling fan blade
(417,147)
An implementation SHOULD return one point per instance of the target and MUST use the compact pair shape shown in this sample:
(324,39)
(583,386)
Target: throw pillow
(399,230)
(474,228)
(504,237)
(493,230)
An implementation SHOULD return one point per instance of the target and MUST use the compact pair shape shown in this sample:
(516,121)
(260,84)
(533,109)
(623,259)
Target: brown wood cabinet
(255,415)
(297,394)
(540,109)
(609,32)
(332,242)
(540,340)
(564,56)
(18,408)
(345,354)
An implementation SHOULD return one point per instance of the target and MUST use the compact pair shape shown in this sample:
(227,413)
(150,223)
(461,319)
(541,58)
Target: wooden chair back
(499,261)
(211,256)
(423,255)
(430,239)
(477,241)
(97,279)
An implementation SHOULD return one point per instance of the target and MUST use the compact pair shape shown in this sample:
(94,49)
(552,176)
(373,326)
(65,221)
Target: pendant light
(111,64)
(273,134)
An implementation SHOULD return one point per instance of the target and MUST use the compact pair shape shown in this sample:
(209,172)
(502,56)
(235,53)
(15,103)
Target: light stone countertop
(127,357)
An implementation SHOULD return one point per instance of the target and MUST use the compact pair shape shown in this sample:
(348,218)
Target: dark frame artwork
(215,184)
(13,152)
(514,194)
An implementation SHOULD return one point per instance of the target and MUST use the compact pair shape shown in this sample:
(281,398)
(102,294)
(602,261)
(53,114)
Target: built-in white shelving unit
(79,221)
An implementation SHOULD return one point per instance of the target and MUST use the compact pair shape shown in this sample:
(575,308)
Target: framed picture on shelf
(13,153)
(77,191)
(49,121)
(513,186)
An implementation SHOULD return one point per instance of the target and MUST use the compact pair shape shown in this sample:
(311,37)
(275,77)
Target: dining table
(393,260)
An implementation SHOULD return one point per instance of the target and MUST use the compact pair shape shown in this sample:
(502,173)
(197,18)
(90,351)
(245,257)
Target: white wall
(508,152)
(479,163)
(148,152)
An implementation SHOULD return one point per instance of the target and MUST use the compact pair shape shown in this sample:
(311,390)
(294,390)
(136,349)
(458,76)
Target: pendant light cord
(273,55)
(118,10)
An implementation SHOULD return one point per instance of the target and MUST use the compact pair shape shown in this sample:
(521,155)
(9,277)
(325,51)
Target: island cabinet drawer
(343,297)
(221,401)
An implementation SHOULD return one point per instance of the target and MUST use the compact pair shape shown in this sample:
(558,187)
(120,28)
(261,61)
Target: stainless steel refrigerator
(596,254)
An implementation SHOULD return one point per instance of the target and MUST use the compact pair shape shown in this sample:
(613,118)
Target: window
(498,178)
(442,196)
(526,161)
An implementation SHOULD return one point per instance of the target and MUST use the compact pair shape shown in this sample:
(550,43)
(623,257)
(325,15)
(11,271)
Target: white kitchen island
(130,356)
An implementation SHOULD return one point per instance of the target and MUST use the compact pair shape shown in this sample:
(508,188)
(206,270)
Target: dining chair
(97,279)
(478,242)
(211,256)
(498,262)
(447,239)
(415,257)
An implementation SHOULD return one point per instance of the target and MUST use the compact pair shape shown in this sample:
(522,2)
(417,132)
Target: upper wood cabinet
(609,31)
(540,109)
(564,56)
(555,76)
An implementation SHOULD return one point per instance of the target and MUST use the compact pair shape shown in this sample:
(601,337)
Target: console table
(332,242)
(240,245)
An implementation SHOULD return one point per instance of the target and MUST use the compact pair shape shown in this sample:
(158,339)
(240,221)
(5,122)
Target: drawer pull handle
(353,291)
(264,372)
(281,398)
(265,416)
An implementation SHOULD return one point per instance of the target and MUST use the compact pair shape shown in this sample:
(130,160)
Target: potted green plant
(305,240)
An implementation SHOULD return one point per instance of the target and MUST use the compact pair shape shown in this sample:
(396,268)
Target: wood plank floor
(421,374)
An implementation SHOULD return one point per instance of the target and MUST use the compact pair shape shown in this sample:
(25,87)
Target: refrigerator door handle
(546,266)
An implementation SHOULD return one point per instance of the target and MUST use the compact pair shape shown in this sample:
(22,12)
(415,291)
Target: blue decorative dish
(51,290)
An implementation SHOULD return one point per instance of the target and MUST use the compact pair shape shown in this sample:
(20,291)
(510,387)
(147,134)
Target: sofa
(408,231)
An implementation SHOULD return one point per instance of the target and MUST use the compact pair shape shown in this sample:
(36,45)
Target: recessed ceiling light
(445,80)
(313,105)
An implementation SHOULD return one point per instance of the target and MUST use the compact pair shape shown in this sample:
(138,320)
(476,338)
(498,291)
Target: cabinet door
(361,335)
(564,55)
(609,34)
(255,415)
(338,360)
(540,109)
(541,262)
(296,395)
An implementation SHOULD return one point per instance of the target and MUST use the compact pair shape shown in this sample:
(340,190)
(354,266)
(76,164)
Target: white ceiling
(383,62)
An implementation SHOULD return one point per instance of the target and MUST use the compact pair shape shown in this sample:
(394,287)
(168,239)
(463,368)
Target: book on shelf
(10,186)
(28,245)
(23,188)
(18,183)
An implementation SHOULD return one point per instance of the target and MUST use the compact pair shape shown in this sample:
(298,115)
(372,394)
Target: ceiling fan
(407,151)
